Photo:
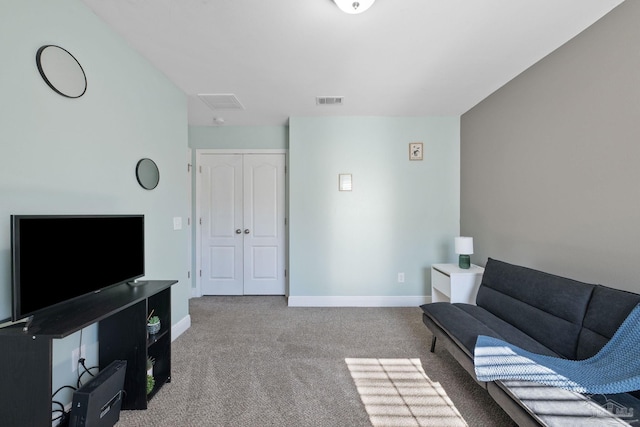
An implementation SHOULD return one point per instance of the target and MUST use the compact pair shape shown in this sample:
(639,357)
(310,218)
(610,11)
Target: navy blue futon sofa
(545,314)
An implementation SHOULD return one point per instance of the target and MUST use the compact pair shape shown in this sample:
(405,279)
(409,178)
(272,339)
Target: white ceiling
(399,58)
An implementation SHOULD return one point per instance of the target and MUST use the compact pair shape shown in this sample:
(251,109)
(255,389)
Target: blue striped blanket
(614,369)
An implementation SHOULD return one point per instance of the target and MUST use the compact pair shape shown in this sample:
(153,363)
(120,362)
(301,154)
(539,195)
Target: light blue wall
(60,155)
(246,137)
(401,216)
(231,137)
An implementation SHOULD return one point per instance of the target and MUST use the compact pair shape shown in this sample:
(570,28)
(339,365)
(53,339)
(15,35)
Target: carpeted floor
(253,361)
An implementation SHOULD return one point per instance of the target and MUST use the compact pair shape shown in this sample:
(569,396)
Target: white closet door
(264,232)
(243,230)
(221,228)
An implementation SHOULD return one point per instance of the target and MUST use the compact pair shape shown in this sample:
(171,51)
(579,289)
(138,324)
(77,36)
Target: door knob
(238,231)
(246,231)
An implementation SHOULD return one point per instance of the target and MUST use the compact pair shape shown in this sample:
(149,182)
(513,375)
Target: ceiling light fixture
(354,6)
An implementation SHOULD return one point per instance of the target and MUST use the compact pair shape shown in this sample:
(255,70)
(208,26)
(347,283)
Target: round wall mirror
(147,174)
(61,71)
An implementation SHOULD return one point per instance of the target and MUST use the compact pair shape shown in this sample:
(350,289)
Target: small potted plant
(153,324)
(151,383)
(150,362)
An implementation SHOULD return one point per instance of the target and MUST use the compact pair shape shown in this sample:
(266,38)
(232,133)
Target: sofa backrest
(548,308)
(607,310)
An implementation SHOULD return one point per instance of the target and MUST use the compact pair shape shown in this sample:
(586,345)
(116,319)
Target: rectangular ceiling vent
(329,100)
(221,101)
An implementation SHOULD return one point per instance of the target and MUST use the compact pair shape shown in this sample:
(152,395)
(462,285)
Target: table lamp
(464,248)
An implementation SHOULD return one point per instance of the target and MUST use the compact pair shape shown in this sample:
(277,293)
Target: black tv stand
(121,313)
(135,283)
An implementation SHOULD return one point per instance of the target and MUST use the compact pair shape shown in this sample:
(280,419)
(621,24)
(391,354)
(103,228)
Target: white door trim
(196,221)
(189,221)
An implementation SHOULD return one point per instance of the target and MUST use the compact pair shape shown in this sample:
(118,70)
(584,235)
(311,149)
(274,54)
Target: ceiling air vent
(221,101)
(329,100)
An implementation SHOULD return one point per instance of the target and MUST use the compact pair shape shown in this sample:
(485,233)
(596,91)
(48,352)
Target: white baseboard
(358,301)
(180,327)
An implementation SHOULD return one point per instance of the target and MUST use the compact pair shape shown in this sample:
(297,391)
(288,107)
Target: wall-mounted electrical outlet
(75,356)
(400,277)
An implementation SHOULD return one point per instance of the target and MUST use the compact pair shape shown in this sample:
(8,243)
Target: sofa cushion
(547,308)
(464,322)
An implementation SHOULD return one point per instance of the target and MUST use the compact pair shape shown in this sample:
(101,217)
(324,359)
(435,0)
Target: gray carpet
(253,361)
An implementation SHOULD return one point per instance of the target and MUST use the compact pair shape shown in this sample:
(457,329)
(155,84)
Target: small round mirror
(147,174)
(61,71)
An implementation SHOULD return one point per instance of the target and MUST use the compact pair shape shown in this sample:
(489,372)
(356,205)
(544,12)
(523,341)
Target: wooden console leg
(433,344)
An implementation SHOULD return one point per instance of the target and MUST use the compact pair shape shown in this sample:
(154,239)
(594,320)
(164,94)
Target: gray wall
(550,162)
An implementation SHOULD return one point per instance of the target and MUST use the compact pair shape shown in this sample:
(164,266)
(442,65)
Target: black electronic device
(57,258)
(97,403)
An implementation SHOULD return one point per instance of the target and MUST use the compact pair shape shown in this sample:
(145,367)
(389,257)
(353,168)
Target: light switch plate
(177,223)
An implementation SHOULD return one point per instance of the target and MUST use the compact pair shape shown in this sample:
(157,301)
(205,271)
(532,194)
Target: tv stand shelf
(121,312)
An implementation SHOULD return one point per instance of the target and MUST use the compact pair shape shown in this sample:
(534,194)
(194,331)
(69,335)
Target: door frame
(196,220)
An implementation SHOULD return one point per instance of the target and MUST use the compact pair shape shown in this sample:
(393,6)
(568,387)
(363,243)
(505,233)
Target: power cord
(63,418)
(86,371)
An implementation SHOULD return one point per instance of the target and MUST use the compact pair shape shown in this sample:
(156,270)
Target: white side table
(450,283)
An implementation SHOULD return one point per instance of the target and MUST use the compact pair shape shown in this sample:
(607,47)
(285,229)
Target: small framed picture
(344,182)
(415,151)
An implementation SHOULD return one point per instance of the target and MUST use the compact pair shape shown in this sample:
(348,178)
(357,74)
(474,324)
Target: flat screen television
(58,258)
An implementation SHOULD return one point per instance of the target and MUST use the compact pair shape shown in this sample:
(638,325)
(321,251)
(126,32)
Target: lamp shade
(464,245)
(354,6)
